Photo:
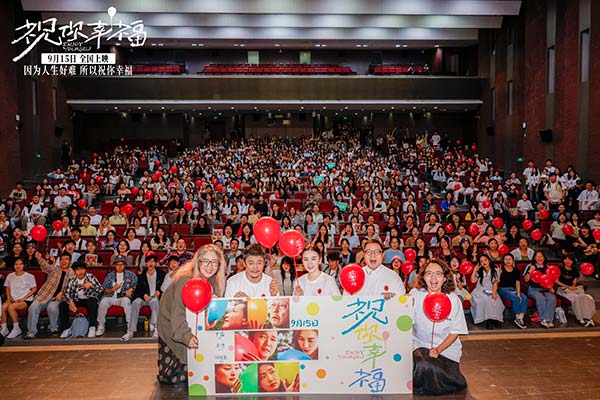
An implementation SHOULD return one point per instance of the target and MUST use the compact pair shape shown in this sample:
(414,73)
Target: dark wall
(571,111)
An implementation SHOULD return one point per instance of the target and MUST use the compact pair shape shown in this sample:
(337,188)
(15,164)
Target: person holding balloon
(379,280)
(486,305)
(439,320)
(175,336)
(544,297)
(315,282)
(509,288)
(253,282)
(584,305)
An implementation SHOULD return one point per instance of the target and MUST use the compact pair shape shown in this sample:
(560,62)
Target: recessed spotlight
(160,44)
(323,45)
(209,107)
(436,45)
(392,108)
(358,45)
(235,45)
(199,113)
(414,108)
(317,45)
(200,44)
(383,109)
(150,110)
(242,45)
(152,44)
(355,113)
(194,44)
(139,108)
(172,110)
(233,108)
(220,113)
(116,108)
(194,110)
(324,108)
(365,45)
(435,108)
(345,108)
(276,44)
(404,45)
(398,45)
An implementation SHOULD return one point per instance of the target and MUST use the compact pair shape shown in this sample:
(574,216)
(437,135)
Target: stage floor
(497,366)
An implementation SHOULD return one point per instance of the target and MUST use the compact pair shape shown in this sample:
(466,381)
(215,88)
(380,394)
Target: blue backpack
(79,327)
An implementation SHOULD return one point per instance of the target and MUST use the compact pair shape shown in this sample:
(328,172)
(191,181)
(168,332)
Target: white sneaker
(92,332)
(4,332)
(152,327)
(65,334)
(589,323)
(545,324)
(16,332)
(100,330)
(127,336)
(155,335)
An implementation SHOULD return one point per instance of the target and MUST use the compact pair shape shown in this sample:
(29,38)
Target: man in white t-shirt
(253,282)
(379,279)
(588,198)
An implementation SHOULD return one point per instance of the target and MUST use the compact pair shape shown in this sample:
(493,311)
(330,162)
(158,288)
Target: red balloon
(587,268)
(546,281)
(474,148)
(159,173)
(135,190)
(149,194)
(157,163)
(238,185)
(527,224)
(219,188)
(553,272)
(215,181)
(596,234)
(267,231)
(457,186)
(122,139)
(503,249)
(99,179)
(536,234)
(437,306)
(155,177)
(198,183)
(544,214)
(449,228)
(58,225)
(95,155)
(277,196)
(407,268)
(466,267)
(352,278)
(81,203)
(536,275)
(470,160)
(410,255)
(127,209)
(291,243)
(459,161)
(498,222)
(458,142)
(196,294)
(244,348)
(567,230)
(38,233)
(188,205)
(473,230)
(174,169)
(486,204)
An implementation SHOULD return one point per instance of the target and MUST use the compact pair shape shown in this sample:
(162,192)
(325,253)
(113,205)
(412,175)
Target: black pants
(91,305)
(435,376)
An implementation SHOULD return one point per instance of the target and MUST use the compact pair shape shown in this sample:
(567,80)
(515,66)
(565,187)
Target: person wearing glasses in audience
(379,279)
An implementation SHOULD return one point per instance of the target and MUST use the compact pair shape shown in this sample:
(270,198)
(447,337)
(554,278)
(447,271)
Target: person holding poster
(253,282)
(315,282)
(437,348)
(175,335)
(379,279)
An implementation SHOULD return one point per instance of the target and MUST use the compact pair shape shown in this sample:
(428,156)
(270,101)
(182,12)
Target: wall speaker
(546,135)
(490,130)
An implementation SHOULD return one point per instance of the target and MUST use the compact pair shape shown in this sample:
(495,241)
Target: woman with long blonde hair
(175,336)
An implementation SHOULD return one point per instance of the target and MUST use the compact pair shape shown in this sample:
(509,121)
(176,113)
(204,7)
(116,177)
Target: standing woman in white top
(436,364)
(315,282)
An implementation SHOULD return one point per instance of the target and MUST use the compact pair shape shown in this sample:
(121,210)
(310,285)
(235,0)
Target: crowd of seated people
(118,217)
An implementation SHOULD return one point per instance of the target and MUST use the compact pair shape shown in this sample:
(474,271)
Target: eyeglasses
(206,261)
(437,274)
(375,252)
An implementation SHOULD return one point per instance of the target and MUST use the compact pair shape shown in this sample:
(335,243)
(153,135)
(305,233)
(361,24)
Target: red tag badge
(386,288)
(319,291)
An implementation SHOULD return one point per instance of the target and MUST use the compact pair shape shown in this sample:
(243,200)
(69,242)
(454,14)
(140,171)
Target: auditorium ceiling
(294,24)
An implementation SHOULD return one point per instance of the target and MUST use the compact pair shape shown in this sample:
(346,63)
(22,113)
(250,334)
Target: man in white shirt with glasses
(379,279)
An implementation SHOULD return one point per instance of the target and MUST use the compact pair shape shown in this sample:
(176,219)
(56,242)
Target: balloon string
(432,331)
(196,334)
(271,260)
